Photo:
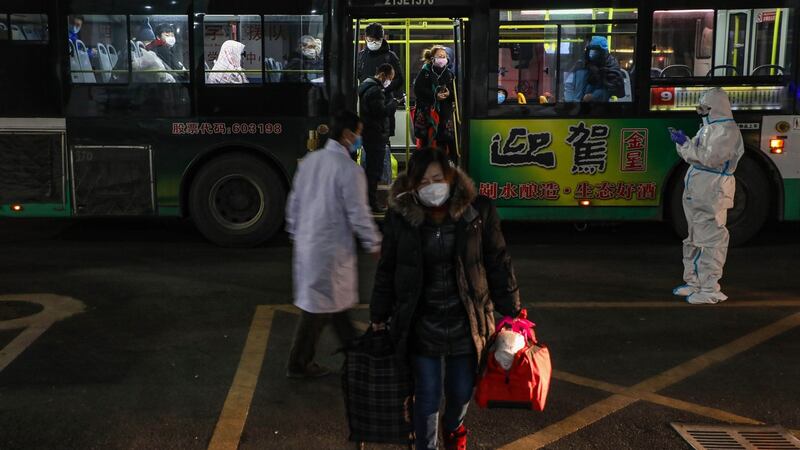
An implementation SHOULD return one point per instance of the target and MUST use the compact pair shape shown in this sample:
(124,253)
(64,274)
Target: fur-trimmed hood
(404,201)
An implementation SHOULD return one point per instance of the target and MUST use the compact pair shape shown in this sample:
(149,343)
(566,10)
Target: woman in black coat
(434,89)
(443,270)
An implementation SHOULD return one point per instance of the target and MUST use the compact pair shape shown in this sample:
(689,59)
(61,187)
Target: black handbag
(378,390)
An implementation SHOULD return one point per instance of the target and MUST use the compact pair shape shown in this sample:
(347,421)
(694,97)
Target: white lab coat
(327,209)
(709,187)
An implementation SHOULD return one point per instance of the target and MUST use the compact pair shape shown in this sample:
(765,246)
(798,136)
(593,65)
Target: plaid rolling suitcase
(378,392)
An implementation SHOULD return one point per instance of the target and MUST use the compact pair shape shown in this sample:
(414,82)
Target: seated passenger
(308,58)
(75,25)
(164,47)
(597,77)
(228,65)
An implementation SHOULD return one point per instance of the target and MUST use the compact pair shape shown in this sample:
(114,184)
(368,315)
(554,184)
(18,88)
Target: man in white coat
(327,211)
(709,187)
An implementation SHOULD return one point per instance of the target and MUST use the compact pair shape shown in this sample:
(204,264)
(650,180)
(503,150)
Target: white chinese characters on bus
(522,148)
(590,148)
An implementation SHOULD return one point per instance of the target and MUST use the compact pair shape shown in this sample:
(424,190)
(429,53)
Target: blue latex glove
(678,137)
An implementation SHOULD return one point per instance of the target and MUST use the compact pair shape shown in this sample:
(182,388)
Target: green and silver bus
(98,119)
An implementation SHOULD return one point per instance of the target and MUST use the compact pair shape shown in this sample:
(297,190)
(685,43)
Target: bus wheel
(750,204)
(237,200)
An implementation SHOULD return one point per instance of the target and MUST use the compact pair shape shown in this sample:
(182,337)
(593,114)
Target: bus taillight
(16,207)
(776,145)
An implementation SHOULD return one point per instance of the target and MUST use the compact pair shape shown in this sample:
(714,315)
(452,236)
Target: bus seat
(676,70)
(31,33)
(207,70)
(113,55)
(273,65)
(626,76)
(134,50)
(768,69)
(104,62)
(86,64)
(141,48)
(3,28)
(16,33)
(74,64)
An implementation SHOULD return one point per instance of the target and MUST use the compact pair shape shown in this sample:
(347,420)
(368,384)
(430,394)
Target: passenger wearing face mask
(443,270)
(434,89)
(306,65)
(377,53)
(709,187)
(597,77)
(73,34)
(164,48)
(376,108)
(325,209)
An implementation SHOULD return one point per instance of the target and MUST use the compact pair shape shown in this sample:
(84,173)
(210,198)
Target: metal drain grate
(736,437)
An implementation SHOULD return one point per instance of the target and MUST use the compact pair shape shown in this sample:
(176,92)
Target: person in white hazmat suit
(709,187)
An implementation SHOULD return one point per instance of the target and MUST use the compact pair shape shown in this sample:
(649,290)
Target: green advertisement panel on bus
(573,162)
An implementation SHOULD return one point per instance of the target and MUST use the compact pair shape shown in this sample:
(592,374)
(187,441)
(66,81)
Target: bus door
(750,44)
(408,38)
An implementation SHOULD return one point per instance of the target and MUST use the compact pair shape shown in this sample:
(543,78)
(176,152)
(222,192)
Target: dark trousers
(309,328)
(455,375)
(375,149)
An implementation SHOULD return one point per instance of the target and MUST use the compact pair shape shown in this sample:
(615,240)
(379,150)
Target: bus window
(232,49)
(527,63)
(293,49)
(747,42)
(597,62)
(772,29)
(95,43)
(159,48)
(29,27)
(3,27)
(682,43)
(545,58)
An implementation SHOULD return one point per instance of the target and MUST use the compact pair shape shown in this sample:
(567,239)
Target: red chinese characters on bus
(634,150)
(548,190)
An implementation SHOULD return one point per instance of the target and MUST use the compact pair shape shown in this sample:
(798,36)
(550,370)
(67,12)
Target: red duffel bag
(526,383)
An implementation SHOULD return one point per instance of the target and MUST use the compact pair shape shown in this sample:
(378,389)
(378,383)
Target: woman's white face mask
(434,194)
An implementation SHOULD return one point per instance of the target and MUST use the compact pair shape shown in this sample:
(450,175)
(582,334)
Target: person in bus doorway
(443,270)
(164,47)
(709,187)
(597,77)
(376,110)
(306,65)
(434,89)
(325,209)
(377,53)
(228,65)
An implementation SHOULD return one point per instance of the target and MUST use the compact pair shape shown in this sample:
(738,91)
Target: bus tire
(237,200)
(750,204)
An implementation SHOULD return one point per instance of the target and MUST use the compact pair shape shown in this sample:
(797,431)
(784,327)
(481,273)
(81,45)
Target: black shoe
(312,370)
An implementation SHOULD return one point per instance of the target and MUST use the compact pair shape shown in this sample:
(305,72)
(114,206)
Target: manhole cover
(736,437)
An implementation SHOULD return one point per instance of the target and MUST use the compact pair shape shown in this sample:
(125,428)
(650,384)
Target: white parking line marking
(55,308)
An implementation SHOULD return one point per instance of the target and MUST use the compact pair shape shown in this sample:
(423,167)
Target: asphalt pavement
(173,343)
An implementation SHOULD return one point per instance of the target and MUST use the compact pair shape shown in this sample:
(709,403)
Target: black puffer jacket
(376,110)
(441,324)
(484,275)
